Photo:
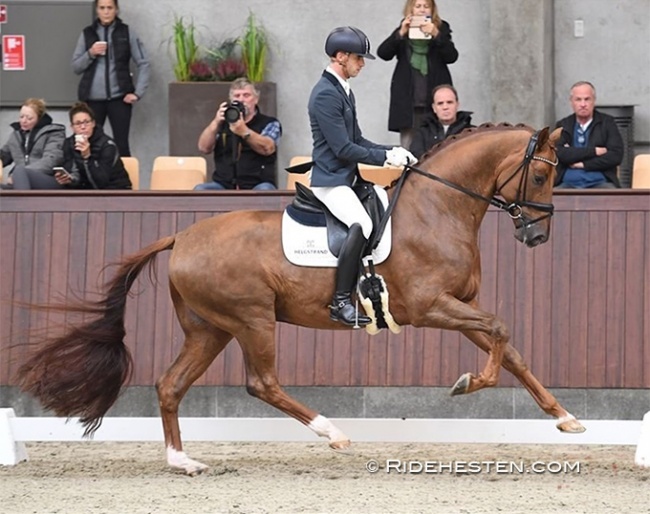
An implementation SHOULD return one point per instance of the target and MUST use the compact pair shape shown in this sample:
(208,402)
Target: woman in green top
(423,47)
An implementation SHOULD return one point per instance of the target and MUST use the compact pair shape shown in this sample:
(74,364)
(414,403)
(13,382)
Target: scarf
(420,49)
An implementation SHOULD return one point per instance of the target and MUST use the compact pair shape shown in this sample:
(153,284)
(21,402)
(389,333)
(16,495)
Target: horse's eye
(539,180)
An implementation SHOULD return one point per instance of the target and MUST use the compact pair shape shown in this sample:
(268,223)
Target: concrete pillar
(521,61)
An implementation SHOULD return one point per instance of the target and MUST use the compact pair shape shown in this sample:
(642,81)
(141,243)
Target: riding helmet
(348,39)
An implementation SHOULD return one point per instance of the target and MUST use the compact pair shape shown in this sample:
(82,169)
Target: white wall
(613,53)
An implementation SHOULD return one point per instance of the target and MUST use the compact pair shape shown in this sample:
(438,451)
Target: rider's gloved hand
(399,156)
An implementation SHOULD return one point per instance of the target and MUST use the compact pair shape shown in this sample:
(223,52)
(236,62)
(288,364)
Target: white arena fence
(14,432)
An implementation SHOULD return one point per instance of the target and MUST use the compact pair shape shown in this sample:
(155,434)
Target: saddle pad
(307,246)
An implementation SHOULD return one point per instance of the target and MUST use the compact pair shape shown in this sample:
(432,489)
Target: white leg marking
(180,460)
(568,417)
(324,428)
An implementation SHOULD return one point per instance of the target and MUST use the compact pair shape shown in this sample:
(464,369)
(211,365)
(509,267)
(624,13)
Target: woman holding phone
(423,47)
(90,157)
(102,57)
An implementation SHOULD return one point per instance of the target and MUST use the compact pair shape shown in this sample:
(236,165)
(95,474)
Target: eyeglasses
(82,123)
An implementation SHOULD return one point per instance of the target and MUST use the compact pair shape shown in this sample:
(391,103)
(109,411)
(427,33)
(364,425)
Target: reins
(514,209)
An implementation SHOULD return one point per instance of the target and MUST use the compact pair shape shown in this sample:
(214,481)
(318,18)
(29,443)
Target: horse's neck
(431,195)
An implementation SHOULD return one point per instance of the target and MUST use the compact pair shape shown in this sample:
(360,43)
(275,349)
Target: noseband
(514,209)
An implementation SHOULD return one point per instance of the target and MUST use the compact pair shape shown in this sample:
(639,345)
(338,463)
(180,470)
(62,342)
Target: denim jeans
(216,186)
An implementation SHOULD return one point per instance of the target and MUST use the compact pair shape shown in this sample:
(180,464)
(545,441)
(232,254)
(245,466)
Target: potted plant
(254,44)
(203,75)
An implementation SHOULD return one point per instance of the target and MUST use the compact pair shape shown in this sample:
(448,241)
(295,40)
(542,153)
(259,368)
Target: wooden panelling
(577,307)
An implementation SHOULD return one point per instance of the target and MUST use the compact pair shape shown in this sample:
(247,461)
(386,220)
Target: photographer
(244,142)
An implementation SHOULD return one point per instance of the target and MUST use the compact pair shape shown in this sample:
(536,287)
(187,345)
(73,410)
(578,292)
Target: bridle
(514,209)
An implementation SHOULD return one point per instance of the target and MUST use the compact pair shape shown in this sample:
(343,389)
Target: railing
(577,307)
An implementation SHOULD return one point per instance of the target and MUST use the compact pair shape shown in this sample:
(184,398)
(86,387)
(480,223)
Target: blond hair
(37,105)
(435,17)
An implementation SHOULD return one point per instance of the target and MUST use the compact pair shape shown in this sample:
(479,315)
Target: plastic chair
(132,166)
(178,173)
(641,172)
(303,178)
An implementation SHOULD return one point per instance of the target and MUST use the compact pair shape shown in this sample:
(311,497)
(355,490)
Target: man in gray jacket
(338,148)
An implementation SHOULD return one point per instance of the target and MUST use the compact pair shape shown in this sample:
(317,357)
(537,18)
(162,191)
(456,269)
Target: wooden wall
(577,306)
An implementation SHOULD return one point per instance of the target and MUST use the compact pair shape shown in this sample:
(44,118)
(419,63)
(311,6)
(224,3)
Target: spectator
(102,56)
(590,146)
(90,158)
(244,145)
(35,147)
(444,121)
(337,148)
(421,65)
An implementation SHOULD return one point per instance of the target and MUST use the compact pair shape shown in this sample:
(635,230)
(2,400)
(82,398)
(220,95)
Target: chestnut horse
(229,279)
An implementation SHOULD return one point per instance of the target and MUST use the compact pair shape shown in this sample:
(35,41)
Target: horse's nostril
(537,240)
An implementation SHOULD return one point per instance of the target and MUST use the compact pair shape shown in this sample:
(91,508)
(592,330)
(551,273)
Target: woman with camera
(423,47)
(90,158)
(243,141)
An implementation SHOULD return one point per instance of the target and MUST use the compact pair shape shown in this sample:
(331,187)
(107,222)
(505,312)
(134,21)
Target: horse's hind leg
(515,364)
(258,346)
(203,342)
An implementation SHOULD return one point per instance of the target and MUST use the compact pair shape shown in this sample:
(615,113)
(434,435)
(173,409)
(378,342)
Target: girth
(309,210)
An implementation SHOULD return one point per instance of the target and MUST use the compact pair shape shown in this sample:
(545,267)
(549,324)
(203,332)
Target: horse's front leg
(450,313)
(257,342)
(514,363)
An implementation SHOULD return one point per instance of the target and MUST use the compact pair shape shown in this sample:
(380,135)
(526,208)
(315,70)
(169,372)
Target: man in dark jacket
(338,148)
(244,142)
(590,147)
(444,121)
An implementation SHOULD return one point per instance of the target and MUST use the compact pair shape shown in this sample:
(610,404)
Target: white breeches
(345,205)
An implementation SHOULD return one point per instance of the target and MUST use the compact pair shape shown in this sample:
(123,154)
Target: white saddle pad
(307,246)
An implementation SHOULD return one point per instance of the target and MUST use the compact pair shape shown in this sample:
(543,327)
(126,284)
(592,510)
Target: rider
(338,147)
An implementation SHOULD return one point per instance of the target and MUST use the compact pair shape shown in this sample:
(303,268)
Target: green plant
(254,44)
(186,49)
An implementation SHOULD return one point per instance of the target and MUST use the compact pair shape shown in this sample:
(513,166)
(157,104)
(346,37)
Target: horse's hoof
(340,446)
(570,426)
(462,385)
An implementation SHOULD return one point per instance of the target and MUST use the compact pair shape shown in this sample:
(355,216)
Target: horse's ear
(555,136)
(542,138)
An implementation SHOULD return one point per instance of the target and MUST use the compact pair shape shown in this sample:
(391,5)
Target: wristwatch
(246,136)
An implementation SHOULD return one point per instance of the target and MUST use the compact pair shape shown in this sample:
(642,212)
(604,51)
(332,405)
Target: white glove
(399,156)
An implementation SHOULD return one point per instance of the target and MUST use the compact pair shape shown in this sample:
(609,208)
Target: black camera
(234,110)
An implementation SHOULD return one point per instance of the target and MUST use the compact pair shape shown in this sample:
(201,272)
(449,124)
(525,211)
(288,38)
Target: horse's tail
(82,372)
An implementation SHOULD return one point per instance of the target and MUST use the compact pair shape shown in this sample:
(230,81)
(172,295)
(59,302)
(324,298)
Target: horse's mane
(485,127)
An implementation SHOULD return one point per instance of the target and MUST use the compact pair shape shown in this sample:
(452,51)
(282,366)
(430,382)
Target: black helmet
(348,39)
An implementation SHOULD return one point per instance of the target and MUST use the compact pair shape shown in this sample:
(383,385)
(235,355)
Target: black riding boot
(347,273)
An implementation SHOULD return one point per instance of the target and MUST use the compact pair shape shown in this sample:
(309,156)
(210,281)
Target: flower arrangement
(226,60)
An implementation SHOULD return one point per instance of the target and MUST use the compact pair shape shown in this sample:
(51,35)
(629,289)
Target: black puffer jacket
(103,170)
(441,53)
(431,132)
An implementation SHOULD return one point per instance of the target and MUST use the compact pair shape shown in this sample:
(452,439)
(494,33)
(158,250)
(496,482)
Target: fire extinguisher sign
(13,53)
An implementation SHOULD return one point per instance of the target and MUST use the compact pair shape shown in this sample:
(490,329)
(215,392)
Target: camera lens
(231,114)
(233,111)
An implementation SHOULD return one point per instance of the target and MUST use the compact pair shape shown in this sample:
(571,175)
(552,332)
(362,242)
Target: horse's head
(528,190)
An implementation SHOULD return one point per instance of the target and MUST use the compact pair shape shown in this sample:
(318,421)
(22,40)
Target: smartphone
(414,28)
(59,169)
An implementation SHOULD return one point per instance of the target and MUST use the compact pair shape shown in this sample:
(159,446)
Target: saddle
(308,210)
